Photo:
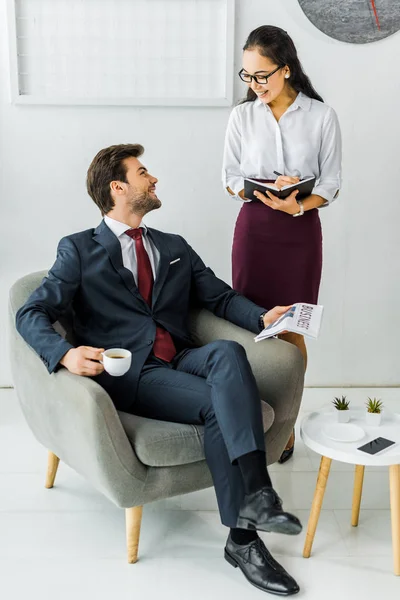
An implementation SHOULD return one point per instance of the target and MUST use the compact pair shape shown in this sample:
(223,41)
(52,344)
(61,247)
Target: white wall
(45,151)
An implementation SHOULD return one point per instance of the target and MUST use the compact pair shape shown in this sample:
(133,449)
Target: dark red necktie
(164,346)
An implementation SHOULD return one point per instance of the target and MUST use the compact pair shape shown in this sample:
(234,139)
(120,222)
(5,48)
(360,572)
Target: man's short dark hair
(107,166)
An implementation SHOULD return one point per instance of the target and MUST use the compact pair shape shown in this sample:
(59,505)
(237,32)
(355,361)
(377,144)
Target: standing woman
(282,127)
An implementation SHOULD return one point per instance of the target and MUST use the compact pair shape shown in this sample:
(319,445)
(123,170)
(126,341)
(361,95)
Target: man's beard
(142,203)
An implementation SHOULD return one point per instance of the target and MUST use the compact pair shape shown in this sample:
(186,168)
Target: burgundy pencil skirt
(276,259)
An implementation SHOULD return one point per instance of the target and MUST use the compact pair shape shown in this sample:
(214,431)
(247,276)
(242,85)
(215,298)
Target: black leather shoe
(288,452)
(262,510)
(260,568)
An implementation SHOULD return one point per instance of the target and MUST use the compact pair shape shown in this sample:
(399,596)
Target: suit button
(150,342)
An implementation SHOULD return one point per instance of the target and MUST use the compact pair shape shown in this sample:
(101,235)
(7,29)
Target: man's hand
(274,314)
(83,361)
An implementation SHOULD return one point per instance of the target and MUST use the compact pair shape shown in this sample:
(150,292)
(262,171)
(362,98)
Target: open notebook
(305,187)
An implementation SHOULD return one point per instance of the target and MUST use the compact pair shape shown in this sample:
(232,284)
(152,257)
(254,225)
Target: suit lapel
(105,237)
(165,258)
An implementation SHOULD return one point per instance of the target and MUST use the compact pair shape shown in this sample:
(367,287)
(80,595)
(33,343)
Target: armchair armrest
(75,418)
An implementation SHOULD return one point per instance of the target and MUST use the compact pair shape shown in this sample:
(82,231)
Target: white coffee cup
(117,361)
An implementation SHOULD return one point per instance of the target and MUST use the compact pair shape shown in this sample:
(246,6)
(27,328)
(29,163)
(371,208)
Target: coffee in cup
(117,361)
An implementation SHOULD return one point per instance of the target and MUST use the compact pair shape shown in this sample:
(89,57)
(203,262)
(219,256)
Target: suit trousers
(212,386)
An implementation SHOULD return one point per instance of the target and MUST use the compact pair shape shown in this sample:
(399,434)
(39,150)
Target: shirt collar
(118,228)
(301,101)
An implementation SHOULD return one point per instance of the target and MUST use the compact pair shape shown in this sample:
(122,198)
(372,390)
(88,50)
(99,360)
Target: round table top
(313,434)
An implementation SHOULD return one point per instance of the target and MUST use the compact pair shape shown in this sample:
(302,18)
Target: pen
(276,173)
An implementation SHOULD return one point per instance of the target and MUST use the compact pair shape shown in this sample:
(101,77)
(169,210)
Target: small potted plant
(374,411)
(342,407)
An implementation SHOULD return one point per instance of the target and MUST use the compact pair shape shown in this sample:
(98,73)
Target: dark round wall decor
(354,21)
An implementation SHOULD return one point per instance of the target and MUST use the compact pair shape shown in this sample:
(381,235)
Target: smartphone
(377,445)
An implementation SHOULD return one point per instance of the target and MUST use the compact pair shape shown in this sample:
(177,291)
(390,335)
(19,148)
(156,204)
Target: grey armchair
(130,459)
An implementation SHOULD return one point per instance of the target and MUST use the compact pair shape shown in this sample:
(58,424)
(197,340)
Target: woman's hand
(286,180)
(289,205)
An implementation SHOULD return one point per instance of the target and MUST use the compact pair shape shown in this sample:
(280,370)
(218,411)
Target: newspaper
(301,318)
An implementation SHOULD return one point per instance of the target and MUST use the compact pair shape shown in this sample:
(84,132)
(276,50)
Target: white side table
(312,433)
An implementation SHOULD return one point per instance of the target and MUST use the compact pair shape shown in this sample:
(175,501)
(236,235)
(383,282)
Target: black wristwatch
(261,320)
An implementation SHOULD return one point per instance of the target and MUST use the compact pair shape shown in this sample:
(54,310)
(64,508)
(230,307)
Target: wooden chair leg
(357,492)
(52,466)
(133,522)
(317,504)
(394,474)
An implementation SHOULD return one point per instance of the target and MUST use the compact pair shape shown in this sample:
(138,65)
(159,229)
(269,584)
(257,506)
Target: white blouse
(306,141)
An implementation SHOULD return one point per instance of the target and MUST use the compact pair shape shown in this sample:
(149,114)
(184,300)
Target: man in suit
(127,285)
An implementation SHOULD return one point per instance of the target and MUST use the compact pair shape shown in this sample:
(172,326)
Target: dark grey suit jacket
(89,285)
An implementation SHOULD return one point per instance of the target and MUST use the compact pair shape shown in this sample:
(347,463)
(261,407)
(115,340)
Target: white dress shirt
(128,246)
(306,141)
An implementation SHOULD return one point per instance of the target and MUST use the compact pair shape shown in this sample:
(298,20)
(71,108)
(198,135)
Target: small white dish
(344,432)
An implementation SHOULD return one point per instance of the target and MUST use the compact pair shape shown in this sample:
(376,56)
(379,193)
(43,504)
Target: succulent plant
(341,403)
(374,405)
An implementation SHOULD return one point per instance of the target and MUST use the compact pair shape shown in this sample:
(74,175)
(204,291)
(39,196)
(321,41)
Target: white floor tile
(62,535)
(69,542)
(192,534)
(26,492)
(347,578)
(372,537)
(297,489)
(85,579)
(194,578)
(328,541)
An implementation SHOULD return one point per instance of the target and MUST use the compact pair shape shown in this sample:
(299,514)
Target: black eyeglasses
(260,79)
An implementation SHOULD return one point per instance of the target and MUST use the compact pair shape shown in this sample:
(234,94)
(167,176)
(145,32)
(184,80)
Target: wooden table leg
(357,492)
(394,474)
(317,504)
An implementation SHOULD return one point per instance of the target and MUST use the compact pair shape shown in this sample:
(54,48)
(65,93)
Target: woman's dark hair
(107,166)
(274,43)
